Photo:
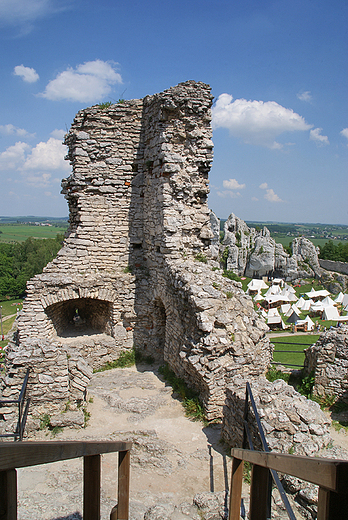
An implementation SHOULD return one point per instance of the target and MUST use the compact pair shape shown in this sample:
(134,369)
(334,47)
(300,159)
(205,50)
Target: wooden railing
(330,475)
(24,454)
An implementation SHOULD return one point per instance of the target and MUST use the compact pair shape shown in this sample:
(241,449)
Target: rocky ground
(179,468)
(173,458)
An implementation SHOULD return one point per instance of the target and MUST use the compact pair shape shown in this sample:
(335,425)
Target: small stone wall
(330,265)
(327,360)
(292,423)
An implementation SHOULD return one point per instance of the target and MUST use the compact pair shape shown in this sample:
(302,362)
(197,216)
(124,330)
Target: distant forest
(21,261)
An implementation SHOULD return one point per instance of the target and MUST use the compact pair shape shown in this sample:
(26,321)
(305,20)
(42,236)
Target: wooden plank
(236,489)
(319,471)
(323,503)
(8,495)
(91,487)
(123,485)
(259,493)
(20,455)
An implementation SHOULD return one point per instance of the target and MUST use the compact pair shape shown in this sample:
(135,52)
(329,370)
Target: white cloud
(233,184)
(14,130)
(256,122)
(227,193)
(13,156)
(254,199)
(269,195)
(58,134)
(305,96)
(40,180)
(314,135)
(36,164)
(24,12)
(26,73)
(89,82)
(47,156)
(344,132)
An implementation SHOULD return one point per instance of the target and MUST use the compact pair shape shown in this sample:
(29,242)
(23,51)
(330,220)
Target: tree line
(337,252)
(21,261)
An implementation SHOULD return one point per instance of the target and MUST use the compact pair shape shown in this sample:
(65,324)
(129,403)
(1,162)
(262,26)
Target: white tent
(290,288)
(339,298)
(317,294)
(256,285)
(275,321)
(310,323)
(300,303)
(258,297)
(285,307)
(273,312)
(330,313)
(275,289)
(293,297)
(316,307)
(294,308)
(328,302)
(307,305)
(345,300)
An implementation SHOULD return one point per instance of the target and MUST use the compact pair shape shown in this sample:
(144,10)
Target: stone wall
(136,264)
(292,423)
(327,360)
(338,267)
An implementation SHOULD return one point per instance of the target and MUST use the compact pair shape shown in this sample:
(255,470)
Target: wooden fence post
(91,487)
(259,493)
(8,495)
(236,489)
(123,485)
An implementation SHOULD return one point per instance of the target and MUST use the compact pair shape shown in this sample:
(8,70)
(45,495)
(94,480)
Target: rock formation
(248,252)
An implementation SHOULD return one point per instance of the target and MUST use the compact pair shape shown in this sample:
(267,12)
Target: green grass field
(20,232)
(292,343)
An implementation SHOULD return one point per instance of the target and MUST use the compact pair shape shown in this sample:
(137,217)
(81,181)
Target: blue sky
(278,72)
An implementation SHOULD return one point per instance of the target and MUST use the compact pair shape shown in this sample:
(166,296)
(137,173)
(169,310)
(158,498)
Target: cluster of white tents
(283,297)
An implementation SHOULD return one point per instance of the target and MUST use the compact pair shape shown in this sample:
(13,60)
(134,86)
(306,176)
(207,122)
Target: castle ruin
(136,266)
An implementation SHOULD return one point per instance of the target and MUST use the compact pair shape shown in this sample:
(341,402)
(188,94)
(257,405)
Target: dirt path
(173,458)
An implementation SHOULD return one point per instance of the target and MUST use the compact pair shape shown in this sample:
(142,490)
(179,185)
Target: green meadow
(20,232)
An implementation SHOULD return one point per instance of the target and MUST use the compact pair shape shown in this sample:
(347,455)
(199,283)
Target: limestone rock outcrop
(248,252)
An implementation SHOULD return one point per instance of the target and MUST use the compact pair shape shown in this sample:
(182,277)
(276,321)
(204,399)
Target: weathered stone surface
(73,419)
(327,360)
(128,269)
(290,421)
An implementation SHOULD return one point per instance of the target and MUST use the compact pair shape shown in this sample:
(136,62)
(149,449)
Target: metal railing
(24,454)
(289,352)
(22,410)
(248,442)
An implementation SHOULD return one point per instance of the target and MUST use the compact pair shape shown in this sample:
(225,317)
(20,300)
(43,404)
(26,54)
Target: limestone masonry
(132,269)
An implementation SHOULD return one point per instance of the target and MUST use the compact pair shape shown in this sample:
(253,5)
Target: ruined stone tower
(129,271)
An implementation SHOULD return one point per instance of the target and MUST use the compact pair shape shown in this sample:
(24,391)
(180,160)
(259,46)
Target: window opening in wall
(81,316)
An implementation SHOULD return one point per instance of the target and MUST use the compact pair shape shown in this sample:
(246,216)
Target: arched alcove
(81,316)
